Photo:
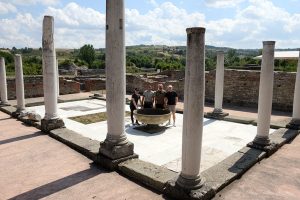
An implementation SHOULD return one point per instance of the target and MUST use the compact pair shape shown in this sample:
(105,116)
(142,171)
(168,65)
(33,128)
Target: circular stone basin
(152,115)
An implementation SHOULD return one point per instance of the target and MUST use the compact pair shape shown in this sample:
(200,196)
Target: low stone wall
(94,84)
(33,86)
(241,87)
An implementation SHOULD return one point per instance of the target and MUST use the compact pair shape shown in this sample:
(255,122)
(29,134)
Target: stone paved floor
(35,166)
(220,138)
(275,178)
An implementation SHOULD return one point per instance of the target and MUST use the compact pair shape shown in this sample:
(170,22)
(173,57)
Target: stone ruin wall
(241,87)
(33,86)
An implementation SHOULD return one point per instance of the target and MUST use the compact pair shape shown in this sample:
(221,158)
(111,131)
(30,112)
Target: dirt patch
(93,118)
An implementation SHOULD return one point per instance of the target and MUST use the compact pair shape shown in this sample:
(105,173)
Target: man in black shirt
(171,99)
(135,98)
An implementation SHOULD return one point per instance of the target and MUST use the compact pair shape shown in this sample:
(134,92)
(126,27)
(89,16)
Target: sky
(229,23)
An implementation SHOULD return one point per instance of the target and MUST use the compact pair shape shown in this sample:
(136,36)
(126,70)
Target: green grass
(93,118)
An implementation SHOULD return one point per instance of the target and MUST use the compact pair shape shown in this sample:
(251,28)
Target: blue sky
(230,23)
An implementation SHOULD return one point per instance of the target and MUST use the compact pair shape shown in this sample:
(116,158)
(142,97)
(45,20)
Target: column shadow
(23,137)
(60,184)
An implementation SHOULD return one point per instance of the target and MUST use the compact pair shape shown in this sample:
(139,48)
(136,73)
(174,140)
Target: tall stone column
(57,71)
(51,120)
(194,92)
(19,84)
(219,87)
(295,123)
(3,83)
(265,96)
(116,145)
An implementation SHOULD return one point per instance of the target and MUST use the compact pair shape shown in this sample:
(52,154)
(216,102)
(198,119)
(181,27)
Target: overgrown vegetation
(139,58)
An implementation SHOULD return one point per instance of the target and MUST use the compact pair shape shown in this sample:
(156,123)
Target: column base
(51,124)
(19,113)
(217,114)
(115,150)
(111,153)
(201,191)
(294,124)
(264,144)
(189,184)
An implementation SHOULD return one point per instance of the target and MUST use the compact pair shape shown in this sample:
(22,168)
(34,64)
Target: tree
(87,53)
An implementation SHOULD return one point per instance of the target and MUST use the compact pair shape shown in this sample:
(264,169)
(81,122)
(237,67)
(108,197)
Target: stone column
(51,120)
(295,123)
(3,83)
(57,78)
(265,96)
(116,145)
(194,92)
(19,84)
(219,87)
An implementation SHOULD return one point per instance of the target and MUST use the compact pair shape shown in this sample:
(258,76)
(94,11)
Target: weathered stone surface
(231,168)
(115,151)
(34,116)
(214,115)
(294,125)
(177,192)
(82,144)
(8,109)
(112,164)
(149,174)
(51,124)
(33,86)
(283,136)
(238,119)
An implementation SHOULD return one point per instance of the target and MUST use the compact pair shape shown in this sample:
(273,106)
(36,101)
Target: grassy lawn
(93,118)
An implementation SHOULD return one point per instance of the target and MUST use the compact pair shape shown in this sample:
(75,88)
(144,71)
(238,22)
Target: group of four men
(159,99)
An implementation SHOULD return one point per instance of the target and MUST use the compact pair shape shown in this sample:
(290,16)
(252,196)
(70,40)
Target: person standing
(159,97)
(148,98)
(134,104)
(171,99)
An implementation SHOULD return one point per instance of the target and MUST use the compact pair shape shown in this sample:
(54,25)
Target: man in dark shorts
(159,97)
(134,104)
(171,99)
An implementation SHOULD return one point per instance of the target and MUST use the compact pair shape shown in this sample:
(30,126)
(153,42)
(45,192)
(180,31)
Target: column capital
(195,30)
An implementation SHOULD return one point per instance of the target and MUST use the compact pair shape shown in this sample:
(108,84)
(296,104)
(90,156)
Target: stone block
(175,191)
(238,119)
(48,125)
(149,174)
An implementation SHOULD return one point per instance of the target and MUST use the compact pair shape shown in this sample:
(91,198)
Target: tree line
(137,58)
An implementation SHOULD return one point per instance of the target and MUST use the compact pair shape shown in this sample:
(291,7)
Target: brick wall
(94,84)
(33,86)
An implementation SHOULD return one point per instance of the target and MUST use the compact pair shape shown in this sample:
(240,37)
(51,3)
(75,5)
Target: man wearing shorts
(171,99)
(159,97)
(148,98)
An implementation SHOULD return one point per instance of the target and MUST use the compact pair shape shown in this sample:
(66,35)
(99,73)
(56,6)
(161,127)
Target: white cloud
(32,2)
(7,8)
(74,15)
(165,24)
(222,3)
(153,3)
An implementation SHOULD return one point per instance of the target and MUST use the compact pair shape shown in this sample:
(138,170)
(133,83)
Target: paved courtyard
(220,138)
(35,166)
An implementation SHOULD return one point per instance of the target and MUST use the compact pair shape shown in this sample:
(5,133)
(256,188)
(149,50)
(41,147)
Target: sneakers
(169,123)
(174,124)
